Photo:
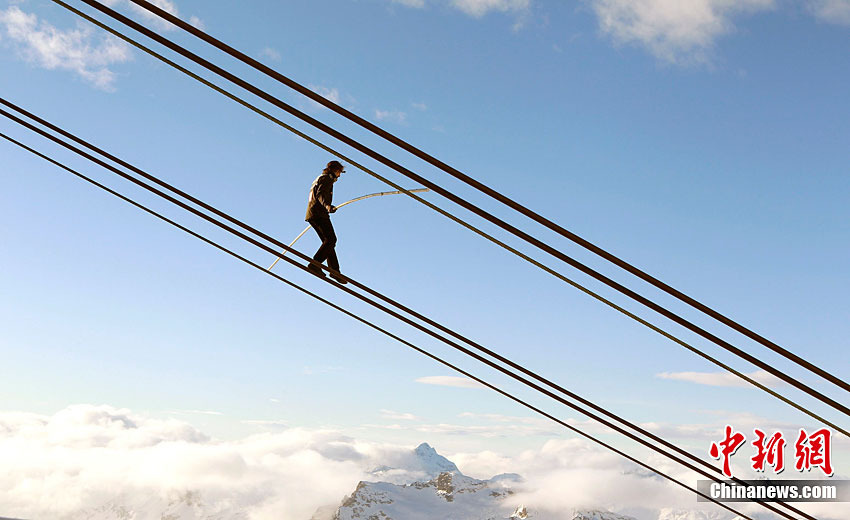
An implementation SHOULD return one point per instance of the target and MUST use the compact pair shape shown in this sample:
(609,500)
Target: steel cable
(370,324)
(489,191)
(475,209)
(363,197)
(448,215)
(383,308)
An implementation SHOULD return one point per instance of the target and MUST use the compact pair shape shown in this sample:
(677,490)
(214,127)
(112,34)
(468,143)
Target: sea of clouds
(86,458)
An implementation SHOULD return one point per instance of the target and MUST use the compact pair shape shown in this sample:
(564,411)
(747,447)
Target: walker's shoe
(339,278)
(316,270)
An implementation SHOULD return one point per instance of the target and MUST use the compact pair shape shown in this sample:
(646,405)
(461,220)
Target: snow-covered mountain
(445,492)
(424,463)
(419,485)
(448,495)
(188,505)
(673,514)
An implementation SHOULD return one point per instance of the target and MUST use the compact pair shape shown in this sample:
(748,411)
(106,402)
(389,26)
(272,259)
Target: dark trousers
(326,251)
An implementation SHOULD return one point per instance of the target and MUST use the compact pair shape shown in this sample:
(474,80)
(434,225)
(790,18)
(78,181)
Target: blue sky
(707,145)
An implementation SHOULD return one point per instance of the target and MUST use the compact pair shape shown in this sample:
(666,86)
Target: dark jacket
(321,197)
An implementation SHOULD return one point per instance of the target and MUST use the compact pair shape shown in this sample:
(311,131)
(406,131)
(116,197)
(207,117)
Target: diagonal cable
(393,313)
(446,214)
(362,197)
(504,225)
(487,190)
(372,325)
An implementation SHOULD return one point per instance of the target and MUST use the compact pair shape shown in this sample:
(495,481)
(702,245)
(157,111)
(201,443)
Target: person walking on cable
(319,207)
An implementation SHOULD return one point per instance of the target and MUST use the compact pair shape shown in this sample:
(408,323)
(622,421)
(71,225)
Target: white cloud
(270,53)
(420,106)
(673,30)
(395,116)
(417,4)
(85,457)
(76,50)
(711,431)
(331,94)
(461,382)
(166,5)
(832,11)
(566,474)
(722,378)
(87,461)
(197,22)
(479,8)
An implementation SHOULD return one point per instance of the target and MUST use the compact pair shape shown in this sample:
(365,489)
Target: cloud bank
(395,116)
(479,8)
(97,461)
(166,5)
(83,50)
(77,50)
(722,378)
(271,54)
(416,4)
(568,474)
(831,11)
(672,30)
(88,457)
(475,8)
(333,95)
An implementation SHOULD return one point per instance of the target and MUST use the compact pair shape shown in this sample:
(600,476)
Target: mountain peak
(432,462)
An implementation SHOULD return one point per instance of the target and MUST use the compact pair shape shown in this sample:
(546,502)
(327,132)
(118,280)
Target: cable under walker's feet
(316,270)
(339,278)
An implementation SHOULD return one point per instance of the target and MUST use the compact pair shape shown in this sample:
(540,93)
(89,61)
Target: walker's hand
(332,209)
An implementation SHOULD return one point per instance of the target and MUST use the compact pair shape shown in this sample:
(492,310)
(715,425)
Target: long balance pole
(381,194)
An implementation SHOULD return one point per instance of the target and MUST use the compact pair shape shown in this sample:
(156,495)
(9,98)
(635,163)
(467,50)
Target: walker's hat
(335,165)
